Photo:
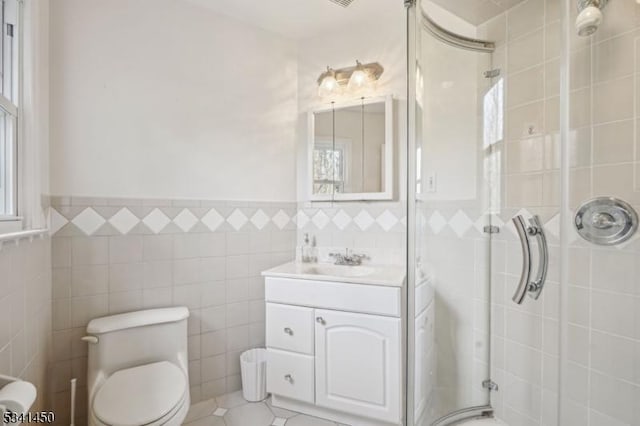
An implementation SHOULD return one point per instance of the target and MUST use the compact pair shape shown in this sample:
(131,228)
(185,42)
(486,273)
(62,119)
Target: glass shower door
(555,135)
(454,113)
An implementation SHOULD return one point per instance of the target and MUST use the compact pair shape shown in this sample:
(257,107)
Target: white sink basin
(385,275)
(338,270)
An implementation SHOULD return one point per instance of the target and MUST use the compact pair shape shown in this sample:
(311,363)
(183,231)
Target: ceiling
(476,11)
(300,19)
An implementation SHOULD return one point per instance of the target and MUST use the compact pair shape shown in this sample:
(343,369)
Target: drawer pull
(288,331)
(289,378)
(320,320)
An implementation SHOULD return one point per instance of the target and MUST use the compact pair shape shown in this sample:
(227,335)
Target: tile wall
(377,229)
(603,295)
(25,312)
(603,363)
(117,255)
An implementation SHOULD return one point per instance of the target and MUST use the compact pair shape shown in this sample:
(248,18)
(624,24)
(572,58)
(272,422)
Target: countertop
(383,275)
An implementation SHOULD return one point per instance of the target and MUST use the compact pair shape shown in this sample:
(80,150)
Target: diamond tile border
(212,220)
(260,219)
(156,221)
(89,221)
(185,220)
(124,221)
(140,216)
(125,216)
(237,219)
(281,219)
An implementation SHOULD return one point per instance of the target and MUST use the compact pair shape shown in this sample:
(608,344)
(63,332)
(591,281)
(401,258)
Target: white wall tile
(186,271)
(212,269)
(88,280)
(213,293)
(125,276)
(125,249)
(157,274)
(89,251)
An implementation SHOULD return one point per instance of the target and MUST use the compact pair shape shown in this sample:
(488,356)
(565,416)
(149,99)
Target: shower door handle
(525,275)
(534,288)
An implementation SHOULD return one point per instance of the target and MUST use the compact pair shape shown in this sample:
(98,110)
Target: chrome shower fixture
(589,16)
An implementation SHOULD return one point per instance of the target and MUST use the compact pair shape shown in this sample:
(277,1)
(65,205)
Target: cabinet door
(358,364)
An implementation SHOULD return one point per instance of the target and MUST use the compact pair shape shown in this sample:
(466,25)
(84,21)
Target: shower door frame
(461,42)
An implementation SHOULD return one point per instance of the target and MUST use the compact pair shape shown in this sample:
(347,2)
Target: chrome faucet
(351,259)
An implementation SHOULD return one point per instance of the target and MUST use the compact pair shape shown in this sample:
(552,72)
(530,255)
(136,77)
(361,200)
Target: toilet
(138,368)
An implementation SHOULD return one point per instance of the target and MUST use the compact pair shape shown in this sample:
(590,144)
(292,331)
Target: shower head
(589,16)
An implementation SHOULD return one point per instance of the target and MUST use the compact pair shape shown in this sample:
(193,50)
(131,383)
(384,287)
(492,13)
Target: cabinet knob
(288,331)
(289,378)
(320,320)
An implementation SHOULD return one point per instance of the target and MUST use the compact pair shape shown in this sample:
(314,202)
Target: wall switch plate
(431,183)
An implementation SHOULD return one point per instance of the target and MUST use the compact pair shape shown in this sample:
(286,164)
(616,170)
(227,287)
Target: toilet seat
(143,395)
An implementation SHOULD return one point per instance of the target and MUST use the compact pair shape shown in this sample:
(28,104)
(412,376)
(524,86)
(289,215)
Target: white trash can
(253,365)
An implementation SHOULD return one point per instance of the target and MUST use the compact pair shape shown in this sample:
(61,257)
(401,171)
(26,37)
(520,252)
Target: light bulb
(359,78)
(329,85)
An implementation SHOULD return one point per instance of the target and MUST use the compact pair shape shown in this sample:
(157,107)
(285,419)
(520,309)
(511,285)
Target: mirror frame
(389,147)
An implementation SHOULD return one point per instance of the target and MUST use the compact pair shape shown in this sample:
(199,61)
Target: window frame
(11,106)
(343,146)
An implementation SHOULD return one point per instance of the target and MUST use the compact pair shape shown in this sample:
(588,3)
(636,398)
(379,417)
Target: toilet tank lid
(137,319)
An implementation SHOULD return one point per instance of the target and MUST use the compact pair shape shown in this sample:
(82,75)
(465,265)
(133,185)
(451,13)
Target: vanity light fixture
(328,84)
(360,78)
(356,78)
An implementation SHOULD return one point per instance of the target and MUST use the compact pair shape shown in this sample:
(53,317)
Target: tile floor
(233,410)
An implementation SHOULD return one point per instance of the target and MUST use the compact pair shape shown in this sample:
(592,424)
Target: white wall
(165,99)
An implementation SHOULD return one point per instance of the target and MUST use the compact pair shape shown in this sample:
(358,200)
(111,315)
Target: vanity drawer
(290,375)
(361,298)
(290,328)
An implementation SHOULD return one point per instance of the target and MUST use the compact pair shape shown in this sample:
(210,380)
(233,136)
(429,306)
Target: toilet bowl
(138,368)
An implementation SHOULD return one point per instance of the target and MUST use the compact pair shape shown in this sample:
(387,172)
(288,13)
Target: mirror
(351,151)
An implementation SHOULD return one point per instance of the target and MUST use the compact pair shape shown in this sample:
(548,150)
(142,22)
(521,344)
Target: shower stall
(523,188)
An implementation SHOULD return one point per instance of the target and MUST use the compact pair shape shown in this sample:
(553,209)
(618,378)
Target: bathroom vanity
(334,337)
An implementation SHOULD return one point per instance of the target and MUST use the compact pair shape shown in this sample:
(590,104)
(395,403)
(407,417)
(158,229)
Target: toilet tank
(136,338)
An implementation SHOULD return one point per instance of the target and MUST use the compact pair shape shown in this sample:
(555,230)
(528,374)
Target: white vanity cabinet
(335,349)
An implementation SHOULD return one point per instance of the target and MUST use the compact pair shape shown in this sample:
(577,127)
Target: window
(9,93)
(330,171)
